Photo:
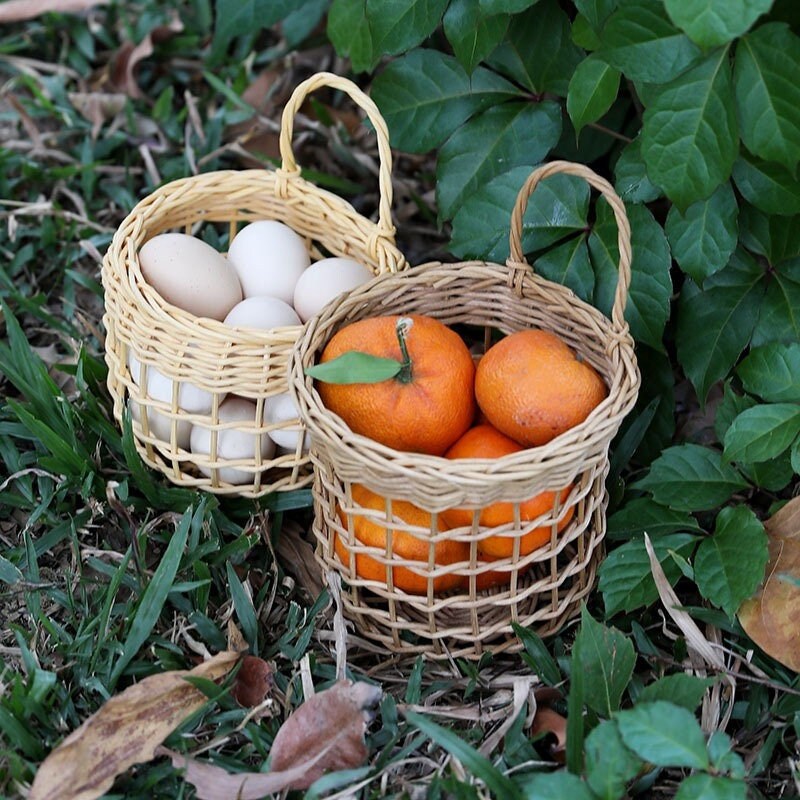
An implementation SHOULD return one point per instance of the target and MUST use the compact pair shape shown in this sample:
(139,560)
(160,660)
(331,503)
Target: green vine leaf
(772,372)
(714,22)
(472,34)
(592,90)
(762,432)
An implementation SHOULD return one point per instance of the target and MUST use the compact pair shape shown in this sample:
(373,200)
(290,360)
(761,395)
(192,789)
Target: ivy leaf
(355,367)
(713,22)
(715,323)
(779,318)
(539,53)
(584,35)
(425,95)
(365,31)
(596,12)
(769,105)
(704,238)
(772,372)
(762,432)
(681,689)
(648,304)
(592,89)
(690,135)
(664,734)
(775,238)
(642,515)
(689,477)
(569,265)
(606,660)
(490,7)
(766,185)
(626,581)
(731,405)
(472,34)
(707,787)
(505,136)
(640,40)
(610,765)
(630,172)
(555,786)
(729,565)
(773,475)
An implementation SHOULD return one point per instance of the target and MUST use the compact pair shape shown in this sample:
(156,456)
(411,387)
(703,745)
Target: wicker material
(546,586)
(206,353)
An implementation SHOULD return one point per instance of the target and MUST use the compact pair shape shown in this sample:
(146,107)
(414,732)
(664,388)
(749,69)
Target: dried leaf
(98,107)
(253,682)
(125,731)
(770,617)
(18,10)
(548,722)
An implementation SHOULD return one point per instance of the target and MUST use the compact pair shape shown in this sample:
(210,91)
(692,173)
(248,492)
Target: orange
(424,408)
(405,545)
(484,441)
(532,387)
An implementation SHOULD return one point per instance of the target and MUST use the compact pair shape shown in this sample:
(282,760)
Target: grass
(108,573)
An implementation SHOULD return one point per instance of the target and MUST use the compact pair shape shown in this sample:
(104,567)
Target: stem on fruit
(402,327)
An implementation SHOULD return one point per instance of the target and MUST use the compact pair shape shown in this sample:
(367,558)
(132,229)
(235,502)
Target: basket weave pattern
(545,587)
(208,354)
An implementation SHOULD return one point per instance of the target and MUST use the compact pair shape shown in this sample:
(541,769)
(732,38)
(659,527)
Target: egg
(191,398)
(232,443)
(160,425)
(190,274)
(269,258)
(324,280)
(280,408)
(262,312)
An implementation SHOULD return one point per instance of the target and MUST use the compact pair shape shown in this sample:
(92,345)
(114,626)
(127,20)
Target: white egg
(232,443)
(324,280)
(160,425)
(191,398)
(262,312)
(280,408)
(190,274)
(268,257)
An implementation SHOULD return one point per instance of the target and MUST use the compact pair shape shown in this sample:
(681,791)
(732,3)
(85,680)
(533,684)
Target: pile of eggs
(266,281)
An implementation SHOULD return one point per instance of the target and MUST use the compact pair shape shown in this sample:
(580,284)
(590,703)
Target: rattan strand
(208,354)
(546,586)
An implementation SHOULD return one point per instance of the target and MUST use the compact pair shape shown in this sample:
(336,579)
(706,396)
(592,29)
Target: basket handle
(617,206)
(289,164)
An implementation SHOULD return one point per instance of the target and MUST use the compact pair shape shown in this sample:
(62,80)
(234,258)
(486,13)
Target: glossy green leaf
(689,477)
(664,734)
(715,323)
(766,185)
(762,432)
(630,176)
(606,659)
(713,22)
(640,41)
(731,405)
(773,475)
(642,515)
(237,17)
(489,7)
(584,35)
(592,89)
(490,144)
(425,95)
(795,456)
(355,367)
(690,135)
(772,372)
(472,35)
(729,565)
(625,579)
(569,265)
(610,765)
(704,237)
(538,52)
(555,786)
(779,318)
(768,103)
(557,208)
(708,787)
(776,238)
(648,305)
(596,12)
(681,689)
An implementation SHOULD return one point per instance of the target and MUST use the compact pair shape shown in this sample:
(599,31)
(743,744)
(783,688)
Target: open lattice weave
(207,354)
(542,589)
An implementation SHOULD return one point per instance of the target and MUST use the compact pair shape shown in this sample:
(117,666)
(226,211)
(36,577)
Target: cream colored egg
(191,398)
(324,280)
(269,258)
(232,443)
(278,410)
(190,274)
(263,313)
(160,425)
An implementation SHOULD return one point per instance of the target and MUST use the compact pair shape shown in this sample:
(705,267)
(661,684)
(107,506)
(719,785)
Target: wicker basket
(215,358)
(545,587)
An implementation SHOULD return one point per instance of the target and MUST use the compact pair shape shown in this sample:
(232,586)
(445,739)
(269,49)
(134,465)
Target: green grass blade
(244,608)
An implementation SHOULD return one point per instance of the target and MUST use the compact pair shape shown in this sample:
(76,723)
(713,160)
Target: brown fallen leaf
(253,682)
(770,617)
(18,10)
(125,731)
(548,722)
(325,733)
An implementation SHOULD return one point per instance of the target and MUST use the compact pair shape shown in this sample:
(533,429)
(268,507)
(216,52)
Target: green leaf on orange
(355,367)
